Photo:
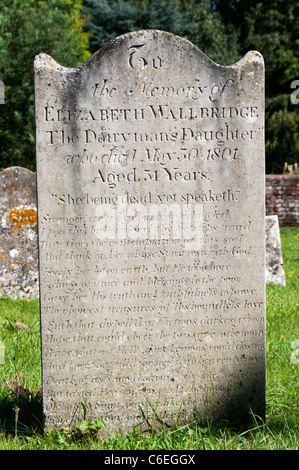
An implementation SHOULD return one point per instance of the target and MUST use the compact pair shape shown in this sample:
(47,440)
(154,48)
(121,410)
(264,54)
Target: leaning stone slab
(18,234)
(150,165)
(274,260)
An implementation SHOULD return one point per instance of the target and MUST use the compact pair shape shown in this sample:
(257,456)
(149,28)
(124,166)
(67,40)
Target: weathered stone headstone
(136,309)
(274,260)
(18,234)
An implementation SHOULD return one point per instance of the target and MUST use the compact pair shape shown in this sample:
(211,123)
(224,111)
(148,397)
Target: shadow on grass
(21,413)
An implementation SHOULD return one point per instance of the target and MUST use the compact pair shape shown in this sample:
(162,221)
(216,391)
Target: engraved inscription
(150,183)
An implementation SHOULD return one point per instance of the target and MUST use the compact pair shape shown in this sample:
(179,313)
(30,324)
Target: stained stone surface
(150,165)
(274,260)
(18,234)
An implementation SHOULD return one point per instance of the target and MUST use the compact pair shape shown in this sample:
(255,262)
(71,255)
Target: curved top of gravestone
(158,39)
(17,186)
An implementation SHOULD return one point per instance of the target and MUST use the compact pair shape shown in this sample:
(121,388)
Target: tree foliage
(272,28)
(192,19)
(39,26)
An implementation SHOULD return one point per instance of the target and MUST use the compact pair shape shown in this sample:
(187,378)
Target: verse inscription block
(150,166)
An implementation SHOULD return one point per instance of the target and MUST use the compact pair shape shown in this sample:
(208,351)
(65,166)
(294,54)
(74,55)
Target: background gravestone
(18,233)
(274,261)
(133,308)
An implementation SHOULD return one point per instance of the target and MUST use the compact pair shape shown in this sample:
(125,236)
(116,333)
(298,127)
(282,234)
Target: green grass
(20,385)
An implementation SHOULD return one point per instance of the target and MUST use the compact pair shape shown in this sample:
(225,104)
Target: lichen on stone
(22,215)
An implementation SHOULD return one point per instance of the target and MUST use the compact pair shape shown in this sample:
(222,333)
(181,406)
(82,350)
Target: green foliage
(39,26)
(20,372)
(272,28)
(109,19)
(282,132)
(193,20)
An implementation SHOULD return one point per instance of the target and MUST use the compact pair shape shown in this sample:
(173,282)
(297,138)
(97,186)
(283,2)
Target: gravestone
(18,234)
(274,261)
(150,165)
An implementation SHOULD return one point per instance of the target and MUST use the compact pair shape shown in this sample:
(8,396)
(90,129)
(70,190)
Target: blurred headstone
(2,93)
(274,260)
(18,234)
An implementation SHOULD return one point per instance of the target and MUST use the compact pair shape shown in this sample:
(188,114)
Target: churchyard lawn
(20,388)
